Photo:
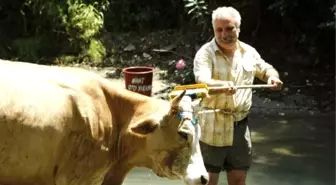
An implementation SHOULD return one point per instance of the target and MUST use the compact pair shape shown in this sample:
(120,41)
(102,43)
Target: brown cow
(68,126)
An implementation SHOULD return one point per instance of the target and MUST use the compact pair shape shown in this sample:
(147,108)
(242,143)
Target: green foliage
(96,51)
(330,22)
(199,12)
(142,16)
(70,23)
(310,24)
(66,60)
(83,21)
(196,8)
(28,48)
(35,29)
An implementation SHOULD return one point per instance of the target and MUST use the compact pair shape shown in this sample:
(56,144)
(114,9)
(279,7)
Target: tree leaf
(189,5)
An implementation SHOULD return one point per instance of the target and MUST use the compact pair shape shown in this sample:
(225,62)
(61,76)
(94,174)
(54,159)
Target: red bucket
(139,79)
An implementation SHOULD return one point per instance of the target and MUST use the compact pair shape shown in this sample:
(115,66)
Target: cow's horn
(176,100)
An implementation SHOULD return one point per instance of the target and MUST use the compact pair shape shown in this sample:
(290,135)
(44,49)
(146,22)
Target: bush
(38,29)
(75,24)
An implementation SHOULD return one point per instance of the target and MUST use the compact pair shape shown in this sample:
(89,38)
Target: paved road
(299,150)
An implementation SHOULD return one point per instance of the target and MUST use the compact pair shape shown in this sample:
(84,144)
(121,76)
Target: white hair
(226,13)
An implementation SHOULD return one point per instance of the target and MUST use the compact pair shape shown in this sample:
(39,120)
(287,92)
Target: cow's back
(42,129)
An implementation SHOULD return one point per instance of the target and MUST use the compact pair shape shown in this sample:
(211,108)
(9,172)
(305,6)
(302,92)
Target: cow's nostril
(204,180)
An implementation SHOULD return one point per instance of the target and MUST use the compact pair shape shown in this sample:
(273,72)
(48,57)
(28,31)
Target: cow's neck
(118,172)
(124,107)
(116,176)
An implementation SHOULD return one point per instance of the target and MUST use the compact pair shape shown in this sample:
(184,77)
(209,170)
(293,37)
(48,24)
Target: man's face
(226,33)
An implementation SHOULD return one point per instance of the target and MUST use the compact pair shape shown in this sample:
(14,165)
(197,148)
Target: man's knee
(213,179)
(236,177)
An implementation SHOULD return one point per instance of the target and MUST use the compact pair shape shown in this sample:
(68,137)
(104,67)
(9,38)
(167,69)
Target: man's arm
(203,65)
(271,76)
(269,72)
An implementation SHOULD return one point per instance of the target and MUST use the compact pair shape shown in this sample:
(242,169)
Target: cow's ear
(144,127)
(176,100)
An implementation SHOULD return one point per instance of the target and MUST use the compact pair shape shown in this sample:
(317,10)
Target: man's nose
(223,34)
(204,180)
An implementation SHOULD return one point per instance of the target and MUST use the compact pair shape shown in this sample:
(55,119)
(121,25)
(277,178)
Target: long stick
(217,90)
(203,90)
(244,86)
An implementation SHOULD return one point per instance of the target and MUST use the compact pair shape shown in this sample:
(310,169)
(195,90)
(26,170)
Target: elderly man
(226,61)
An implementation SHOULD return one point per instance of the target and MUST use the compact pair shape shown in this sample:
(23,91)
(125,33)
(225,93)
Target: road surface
(299,150)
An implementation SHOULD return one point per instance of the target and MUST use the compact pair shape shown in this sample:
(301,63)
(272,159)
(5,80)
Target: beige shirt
(210,63)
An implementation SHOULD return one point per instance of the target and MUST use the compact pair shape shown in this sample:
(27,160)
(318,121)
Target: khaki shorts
(235,157)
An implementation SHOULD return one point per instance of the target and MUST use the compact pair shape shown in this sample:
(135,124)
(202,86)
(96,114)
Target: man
(222,62)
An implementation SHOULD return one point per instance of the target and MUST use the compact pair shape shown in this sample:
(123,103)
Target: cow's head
(172,142)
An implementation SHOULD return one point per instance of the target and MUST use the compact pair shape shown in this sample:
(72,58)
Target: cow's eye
(184,135)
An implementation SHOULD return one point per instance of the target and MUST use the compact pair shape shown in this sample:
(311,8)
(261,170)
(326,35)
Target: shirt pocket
(249,71)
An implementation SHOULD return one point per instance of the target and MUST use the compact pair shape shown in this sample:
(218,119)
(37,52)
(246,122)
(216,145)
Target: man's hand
(226,87)
(276,82)
(231,90)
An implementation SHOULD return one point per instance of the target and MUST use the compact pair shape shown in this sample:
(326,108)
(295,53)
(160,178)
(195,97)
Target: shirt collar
(216,48)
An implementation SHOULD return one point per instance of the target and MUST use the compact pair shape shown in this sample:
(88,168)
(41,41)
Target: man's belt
(225,111)
(212,110)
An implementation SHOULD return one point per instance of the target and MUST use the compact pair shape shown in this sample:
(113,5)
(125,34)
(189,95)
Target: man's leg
(213,160)
(213,178)
(239,156)
(236,177)
(213,174)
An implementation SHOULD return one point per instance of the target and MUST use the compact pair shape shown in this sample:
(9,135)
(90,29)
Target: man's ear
(144,127)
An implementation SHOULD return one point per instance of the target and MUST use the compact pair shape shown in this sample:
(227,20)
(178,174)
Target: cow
(69,126)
